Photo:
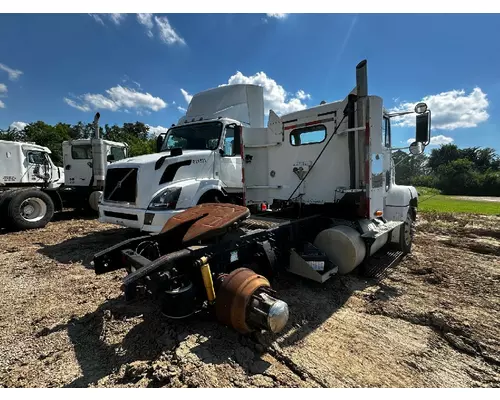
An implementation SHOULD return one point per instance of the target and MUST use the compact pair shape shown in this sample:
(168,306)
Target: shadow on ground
(83,248)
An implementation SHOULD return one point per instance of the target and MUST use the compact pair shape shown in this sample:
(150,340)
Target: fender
(206,186)
(398,201)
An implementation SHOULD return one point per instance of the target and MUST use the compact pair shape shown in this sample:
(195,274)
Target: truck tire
(30,209)
(407,232)
(5,198)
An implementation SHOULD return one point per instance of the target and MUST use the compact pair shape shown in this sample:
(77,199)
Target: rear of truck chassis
(226,273)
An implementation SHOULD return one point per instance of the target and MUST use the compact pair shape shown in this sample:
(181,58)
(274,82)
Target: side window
(228,141)
(117,153)
(386,132)
(309,135)
(81,152)
(37,158)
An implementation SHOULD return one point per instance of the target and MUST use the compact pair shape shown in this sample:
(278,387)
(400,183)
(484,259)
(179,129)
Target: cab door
(39,170)
(230,160)
(78,165)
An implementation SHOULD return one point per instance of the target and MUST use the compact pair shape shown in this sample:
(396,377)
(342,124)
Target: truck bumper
(144,220)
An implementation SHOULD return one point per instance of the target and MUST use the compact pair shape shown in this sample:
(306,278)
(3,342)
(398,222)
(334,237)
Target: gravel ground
(432,321)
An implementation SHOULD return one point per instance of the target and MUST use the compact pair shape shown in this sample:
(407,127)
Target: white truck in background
(197,161)
(32,187)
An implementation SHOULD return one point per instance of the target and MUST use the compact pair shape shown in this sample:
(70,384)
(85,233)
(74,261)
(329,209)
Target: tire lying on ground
(29,209)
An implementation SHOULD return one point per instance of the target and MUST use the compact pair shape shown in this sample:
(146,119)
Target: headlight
(166,199)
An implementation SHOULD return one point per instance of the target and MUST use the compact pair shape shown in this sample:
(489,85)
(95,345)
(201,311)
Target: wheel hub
(33,209)
(28,210)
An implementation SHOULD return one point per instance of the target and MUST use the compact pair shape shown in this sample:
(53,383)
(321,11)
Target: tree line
(470,171)
(136,135)
(467,171)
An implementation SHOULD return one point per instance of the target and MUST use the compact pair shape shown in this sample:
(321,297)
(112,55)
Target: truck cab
(28,164)
(197,161)
(77,158)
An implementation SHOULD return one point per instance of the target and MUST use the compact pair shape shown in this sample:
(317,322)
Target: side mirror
(423,124)
(111,157)
(159,141)
(417,148)
(237,139)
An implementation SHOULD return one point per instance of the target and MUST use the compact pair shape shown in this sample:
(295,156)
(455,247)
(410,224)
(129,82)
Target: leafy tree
(408,166)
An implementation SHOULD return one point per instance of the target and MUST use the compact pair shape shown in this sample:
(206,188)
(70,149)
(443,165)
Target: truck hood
(152,159)
(159,170)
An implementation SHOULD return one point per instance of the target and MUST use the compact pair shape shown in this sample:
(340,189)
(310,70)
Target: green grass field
(431,201)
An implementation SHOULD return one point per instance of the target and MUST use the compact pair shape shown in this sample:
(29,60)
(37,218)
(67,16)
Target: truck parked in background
(32,187)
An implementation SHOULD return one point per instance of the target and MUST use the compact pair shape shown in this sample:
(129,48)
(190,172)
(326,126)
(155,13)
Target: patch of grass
(431,201)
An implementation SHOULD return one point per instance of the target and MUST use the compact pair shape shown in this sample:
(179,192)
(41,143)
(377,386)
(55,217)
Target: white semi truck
(326,178)
(197,161)
(32,187)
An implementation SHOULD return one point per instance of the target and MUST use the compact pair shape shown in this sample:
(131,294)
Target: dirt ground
(432,321)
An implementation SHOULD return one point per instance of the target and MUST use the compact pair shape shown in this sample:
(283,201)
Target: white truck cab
(197,161)
(28,164)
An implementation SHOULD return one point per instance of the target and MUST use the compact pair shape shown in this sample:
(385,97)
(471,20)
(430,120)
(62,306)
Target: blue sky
(63,67)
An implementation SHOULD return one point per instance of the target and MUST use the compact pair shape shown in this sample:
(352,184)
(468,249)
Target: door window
(117,153)
(37,158)
(81,152)
(228,142)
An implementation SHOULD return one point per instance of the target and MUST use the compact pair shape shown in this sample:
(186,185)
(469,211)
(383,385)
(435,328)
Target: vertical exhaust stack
(362,112)
(363,163)
(98,156)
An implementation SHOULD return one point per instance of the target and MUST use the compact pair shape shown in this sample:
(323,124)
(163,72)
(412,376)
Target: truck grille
(121,185)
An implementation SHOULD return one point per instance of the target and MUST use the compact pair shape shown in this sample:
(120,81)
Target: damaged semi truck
(325,177)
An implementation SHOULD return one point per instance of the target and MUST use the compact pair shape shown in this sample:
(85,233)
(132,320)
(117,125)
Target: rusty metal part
(233,296)
(207,220)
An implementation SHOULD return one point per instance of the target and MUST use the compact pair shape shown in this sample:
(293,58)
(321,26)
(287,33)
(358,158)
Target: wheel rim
(33,209)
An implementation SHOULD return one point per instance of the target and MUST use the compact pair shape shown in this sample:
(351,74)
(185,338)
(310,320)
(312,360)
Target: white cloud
(118,98)
(130,98)
(302,95)
(435,140)
(74,104)
(99,101)
(97,18)
(181,109)
(277,15)
(147,21)
(167,33)
(3,88)
(275,96)
(18,125)
(14,74)
(156,130)
(116,18)
(187,96)
(450,110)
(2,104)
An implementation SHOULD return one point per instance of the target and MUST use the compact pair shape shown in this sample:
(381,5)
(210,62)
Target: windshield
(200,136)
